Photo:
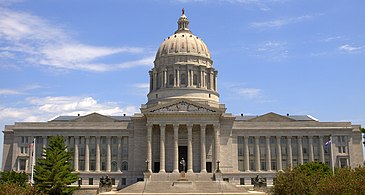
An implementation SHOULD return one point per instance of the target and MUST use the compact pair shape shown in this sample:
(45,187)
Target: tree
(20,179)
(53,172)
(303,179)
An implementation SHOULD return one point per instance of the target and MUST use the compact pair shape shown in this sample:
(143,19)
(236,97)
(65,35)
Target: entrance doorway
(209,167)
(183,153)
(156,167)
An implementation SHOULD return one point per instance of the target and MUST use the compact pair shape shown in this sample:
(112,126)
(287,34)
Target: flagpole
(33,163)
(332,161)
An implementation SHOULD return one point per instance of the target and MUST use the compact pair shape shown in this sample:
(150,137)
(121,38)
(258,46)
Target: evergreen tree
(20,179)
(53,173)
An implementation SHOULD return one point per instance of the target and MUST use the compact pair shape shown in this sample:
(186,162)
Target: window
(91,181)
(22,164)
(195,79)
(114,166)
(183,79)
(23,150)
(124,181)
(124,166)
(342,149)
(226,179)
(113,181)
(24,139)
(171,79)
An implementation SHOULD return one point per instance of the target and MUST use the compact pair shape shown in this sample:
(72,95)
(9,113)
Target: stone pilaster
(176,148)
(203,148)
(149,146)
(190,147)
(162,148)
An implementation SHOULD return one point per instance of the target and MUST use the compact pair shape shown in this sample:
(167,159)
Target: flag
(328,143)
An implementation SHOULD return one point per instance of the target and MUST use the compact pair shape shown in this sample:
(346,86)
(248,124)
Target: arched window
(124,166)
(195,79)
(171,79)
(183,79)
(114,166)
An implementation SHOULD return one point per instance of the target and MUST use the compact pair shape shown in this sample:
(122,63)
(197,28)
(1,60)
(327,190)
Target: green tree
(20,179)
(53,172)
(14,189)
(302,179)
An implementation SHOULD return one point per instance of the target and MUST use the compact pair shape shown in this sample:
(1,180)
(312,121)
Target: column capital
(216,125)
(149,124)
(189,125)
(278,137)
(289,137)
(267,137)
(176,125)
(203,125)
(87,137)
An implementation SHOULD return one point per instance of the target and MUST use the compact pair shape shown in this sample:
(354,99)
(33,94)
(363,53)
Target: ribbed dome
(183,43)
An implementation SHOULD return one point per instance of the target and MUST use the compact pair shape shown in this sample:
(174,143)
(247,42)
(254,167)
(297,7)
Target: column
(119,154)
(154,80)
(200,80)
(76,153)
(162,148)
(211,79)
(247,154)
(87,159)
(176,148)
(108,154)
(311,155)
(217,143)
(203,154)
(290,152)
(44,141)
(300,149)
(215,81)
(278,153)
(268,153)
(257,153)
(149,146)
(66,143)
(151,80)
(178,77)
(165,78)
(190,148)
(97,157)
(188,71)
(321,149)
(175,77)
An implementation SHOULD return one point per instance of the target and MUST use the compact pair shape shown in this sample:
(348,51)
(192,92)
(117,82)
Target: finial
(182,11)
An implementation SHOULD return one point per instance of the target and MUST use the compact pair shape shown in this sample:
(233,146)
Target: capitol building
(184,119)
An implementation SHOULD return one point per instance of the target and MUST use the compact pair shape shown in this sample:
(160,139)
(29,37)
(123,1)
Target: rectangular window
(113,181)
(22,164)
(124,181)
(226,179)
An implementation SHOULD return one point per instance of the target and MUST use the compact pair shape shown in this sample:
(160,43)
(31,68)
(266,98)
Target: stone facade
(184,119)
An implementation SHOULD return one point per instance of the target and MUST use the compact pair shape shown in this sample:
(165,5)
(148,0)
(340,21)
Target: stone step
(183,187)
(176,176)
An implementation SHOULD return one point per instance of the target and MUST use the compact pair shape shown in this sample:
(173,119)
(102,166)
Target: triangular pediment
(271,117)
(94,117)
(182,106)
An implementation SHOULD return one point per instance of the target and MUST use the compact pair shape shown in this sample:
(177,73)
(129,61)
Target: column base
(162,171)
(175,171)
(203,171)
(190,171)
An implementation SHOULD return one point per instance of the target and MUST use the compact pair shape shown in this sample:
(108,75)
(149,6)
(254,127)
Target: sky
(69,57)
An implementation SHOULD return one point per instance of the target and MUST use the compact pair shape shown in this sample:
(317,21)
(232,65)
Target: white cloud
(9,92)
(45,108)
(270,50)
(250,93)
(350,49)
(30,39)
(281,22)
(142,85)
(19,91)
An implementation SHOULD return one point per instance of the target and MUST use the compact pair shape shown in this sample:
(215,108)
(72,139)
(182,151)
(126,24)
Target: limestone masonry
(183,118)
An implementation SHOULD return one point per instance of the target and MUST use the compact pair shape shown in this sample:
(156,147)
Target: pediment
(182,106)
(94,117)
(271,117)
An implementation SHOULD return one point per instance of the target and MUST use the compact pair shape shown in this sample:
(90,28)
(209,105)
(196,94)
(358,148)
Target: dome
(183,43)
(183,69)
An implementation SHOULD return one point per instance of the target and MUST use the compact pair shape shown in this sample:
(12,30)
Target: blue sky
(63,57)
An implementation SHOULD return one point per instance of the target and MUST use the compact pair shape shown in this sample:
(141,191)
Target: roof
(294,117)
(71,118)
